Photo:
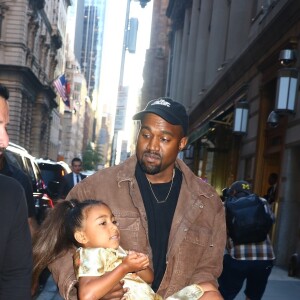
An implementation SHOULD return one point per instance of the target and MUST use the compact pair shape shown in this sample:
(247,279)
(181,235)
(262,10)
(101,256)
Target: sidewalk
(280,287)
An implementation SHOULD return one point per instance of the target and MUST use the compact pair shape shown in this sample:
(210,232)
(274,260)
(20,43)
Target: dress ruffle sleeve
(96,261)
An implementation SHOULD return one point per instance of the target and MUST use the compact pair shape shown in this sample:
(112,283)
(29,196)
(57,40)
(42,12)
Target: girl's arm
(95,287)
(146,274)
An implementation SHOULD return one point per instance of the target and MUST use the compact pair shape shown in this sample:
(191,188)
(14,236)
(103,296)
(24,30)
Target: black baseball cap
(171,111)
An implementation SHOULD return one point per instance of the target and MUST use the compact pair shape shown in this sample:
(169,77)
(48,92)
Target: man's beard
(151,170)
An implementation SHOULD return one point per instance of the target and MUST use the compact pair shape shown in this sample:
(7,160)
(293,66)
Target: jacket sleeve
(211,264)
(16,263)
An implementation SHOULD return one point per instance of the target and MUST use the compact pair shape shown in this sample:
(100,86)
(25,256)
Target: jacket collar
(127,173)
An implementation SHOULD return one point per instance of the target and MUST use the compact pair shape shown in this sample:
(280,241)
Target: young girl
(91,226)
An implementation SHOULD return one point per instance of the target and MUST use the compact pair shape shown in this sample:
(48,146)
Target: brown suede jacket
(197,237)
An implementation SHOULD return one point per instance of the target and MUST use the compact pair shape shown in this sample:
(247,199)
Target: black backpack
(248,219)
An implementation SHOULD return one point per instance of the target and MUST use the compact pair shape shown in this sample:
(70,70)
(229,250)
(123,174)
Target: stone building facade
(224,55)
(30,38)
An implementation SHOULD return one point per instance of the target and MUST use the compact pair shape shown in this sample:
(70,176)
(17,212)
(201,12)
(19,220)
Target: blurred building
(90,38)
(89,46)
(157,56)
(88,50)
(78,39)
(31,39)
(59,21)
(104,141)
(231,64)
(73,118)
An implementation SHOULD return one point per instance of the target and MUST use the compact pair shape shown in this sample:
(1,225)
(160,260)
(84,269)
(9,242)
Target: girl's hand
(135,261)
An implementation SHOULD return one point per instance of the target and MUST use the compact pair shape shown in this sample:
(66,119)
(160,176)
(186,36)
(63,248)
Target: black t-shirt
(160,216)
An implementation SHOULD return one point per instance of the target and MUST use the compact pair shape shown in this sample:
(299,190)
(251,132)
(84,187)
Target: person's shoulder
(68,175)
(19,175)
(15,171)
(10,187)
(103,173)
(200,187)
(8,180)
(126,167)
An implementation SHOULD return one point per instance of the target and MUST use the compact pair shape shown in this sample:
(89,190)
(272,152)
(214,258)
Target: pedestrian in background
(15,240)
(272,190)
(71,179)
(251,262)
(163,209)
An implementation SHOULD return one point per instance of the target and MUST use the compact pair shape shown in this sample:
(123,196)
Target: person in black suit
(71,179)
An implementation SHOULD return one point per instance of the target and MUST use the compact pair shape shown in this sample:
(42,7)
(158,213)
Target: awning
(198,133)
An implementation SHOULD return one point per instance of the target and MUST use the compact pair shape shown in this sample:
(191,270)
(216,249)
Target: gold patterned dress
(98,261)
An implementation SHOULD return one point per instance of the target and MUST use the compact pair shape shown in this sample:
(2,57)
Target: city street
(170,102)
(280,287)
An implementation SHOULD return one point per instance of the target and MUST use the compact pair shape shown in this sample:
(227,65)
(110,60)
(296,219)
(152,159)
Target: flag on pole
(61,85)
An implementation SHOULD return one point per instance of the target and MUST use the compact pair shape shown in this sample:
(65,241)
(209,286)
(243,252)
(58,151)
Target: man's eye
(115,222)
(145,135)
(103,223)
(165,140)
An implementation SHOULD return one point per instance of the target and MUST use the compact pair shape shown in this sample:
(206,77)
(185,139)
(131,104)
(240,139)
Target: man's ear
(80,237)
(183,143)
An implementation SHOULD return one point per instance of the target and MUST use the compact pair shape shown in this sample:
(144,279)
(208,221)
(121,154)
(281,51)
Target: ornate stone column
(40,127)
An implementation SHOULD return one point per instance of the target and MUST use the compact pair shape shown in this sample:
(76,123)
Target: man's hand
(116,293)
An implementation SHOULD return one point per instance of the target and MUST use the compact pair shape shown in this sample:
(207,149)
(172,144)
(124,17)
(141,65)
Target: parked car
(21,158)
(52,173)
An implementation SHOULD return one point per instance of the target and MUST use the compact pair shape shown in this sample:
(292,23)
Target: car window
(51,172)
(28,165)
(38,175)
(29,168)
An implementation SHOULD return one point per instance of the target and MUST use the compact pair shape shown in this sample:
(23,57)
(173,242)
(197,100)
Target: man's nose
(4,138)
(153,144)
